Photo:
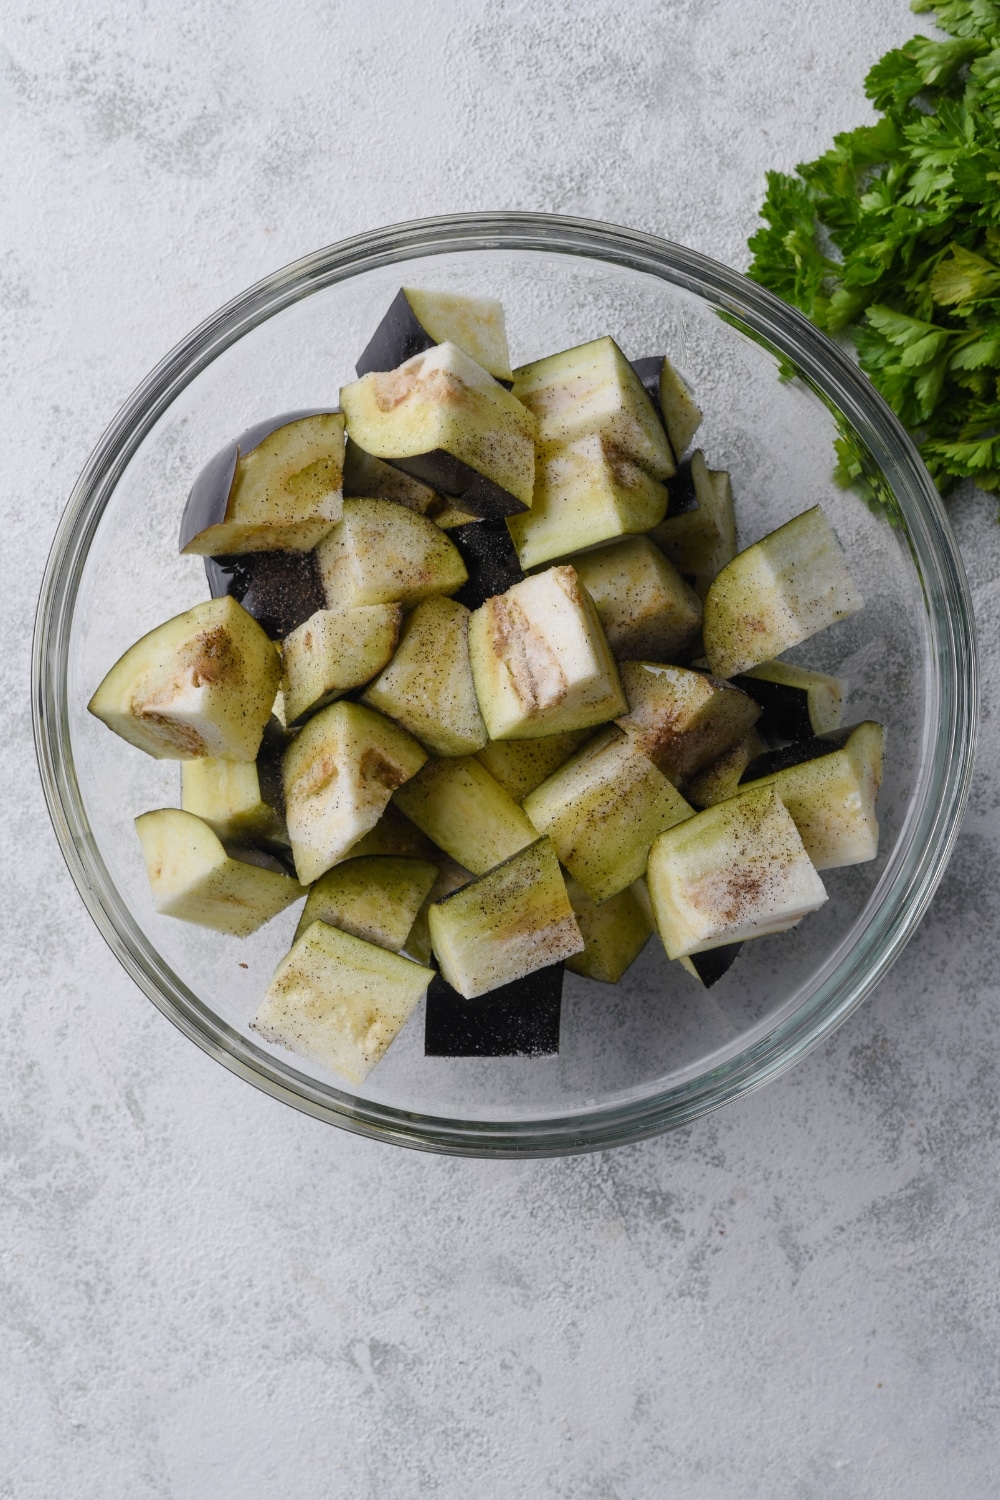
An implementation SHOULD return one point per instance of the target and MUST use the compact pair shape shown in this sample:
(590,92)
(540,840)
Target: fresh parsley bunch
(893,236)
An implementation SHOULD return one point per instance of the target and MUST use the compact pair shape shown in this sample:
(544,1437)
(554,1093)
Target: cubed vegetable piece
(733,872)
(277,488)
(334,651)
(780,591)
(192,876)
(443,419)
(829,785)
(368,477)
(520,1019)
(428,687)
(418,319)
(280,589)
(699,533)
(721,779)
(200,684)
(339,1000)
(615,932)
(541,661)
(450,877)
(672,399)
(382,553)
(603,809)
(488,553)
(339,773)
(648,611)
(593,390)
(510,922)
(375,898)
(521,765)
(586,492)
(682,720)
(466,813)
(229,797)
(796,702)
(395,834)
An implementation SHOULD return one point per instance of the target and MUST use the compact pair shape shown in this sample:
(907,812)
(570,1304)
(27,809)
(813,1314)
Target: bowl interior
(632,1052)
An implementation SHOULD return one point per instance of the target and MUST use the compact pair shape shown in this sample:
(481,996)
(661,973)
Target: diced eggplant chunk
(229,797)
(829,785)
(339,1001)
(382,553)
(721,780)
(418,319)
(451,877)
(443,419)
(592,390)
(192,876)
(682,720)
(521,765)
(201,684)
(735,871)
(334,651)
(796,702)
(280,589)
(395,834)
(672,399)
(648,611)
(541,661)
(615,932)
(376,898)
(428,687)
(782,590)
(371,478)
(277,488)
(586,492)
(520,1019)
(459,806)
(708,968)
(699,533)
(603,809)
(489,555)
(510,922)
(339,773)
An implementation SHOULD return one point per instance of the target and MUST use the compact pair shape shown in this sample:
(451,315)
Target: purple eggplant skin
(209,496)
(489,556)
(648,371)
(450,476)
(683,495)
(785,709)
(812,748)
(280,589)
(520,1019)
(711,965)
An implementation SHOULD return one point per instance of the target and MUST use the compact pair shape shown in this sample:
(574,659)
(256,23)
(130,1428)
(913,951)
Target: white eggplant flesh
(586,492)
(475,324)
(340,1001)
(521,765)
(510,922)
(382,553)
(427,687)
(721,779)
(699,532)
(375,898)
(735,871)
(614,933)
(541,661)
(459,806)
(338,774)
(192,876)
(201,684)
(593,390)
(648,611)
(602,811)
(682,720)
(782,590)
(334,651)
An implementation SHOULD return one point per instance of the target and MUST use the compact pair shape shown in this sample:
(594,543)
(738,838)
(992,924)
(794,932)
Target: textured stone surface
(204,1294)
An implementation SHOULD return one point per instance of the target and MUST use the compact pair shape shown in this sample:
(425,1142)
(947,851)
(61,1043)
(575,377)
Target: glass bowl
(656,1050)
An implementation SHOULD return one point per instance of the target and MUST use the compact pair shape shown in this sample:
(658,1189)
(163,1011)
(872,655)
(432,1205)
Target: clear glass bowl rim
(917,867)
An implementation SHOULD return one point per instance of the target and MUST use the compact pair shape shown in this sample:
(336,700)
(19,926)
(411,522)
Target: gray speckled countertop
(205,1294)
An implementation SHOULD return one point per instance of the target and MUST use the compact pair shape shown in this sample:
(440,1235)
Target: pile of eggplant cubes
(485,679)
